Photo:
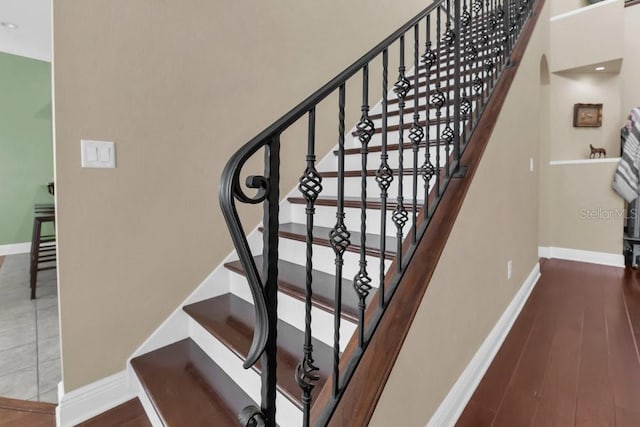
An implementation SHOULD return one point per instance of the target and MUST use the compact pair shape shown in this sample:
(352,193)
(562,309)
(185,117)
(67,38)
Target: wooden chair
(43,247)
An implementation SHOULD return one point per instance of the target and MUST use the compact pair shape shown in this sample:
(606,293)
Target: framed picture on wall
(587,115)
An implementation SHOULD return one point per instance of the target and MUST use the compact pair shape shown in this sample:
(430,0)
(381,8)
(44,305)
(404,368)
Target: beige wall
(586,213)
(631,64)
(578,42)
(578,208)
(544,150)
(178,86)
(562,6)
(498,222)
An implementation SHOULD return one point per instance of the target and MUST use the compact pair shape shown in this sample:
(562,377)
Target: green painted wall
(26,143)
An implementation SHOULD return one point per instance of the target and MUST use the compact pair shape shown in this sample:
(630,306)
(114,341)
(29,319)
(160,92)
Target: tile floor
(29,336)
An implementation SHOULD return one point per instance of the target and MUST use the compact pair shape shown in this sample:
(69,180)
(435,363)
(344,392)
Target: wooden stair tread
(443,120)
(351,202)
(128,414)
(232,320)
(292,281)
(321,237)
(369,172)
(188,388)
(390,147)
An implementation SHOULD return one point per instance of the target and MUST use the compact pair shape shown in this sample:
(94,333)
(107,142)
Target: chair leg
(35,250)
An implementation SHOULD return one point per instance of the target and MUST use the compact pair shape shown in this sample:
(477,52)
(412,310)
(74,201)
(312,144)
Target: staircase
(333,251)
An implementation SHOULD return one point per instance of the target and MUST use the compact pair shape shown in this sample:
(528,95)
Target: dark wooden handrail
(631,3)
(457,105)
(361,397)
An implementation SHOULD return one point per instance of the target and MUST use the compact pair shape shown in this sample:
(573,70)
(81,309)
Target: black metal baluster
(437,100)
(271,224)
(310,187)
(384,176)
(449,38)
(457,101)
(416,134)
(447,133)
(339,240)
(498,44)
(495,26)
(427,170)
(365,130)
(506,42)
(483,75)
(400,216)
(470,57)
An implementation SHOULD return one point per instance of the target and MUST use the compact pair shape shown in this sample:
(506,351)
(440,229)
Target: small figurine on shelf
(600,152)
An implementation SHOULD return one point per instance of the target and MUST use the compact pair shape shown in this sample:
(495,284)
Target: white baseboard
(604,258)
(452,406)
(15,248)
(86,402)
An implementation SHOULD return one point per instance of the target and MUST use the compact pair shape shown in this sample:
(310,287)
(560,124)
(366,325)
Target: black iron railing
(440,94)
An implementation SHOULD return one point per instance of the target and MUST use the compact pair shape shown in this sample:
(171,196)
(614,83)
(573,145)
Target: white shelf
(584,161)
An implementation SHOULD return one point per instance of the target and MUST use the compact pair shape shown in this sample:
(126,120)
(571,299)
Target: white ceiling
(32,38)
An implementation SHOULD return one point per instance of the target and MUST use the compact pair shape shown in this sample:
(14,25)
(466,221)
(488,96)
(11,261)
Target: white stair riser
(326,217)
(292,311)
(408,116)
(288,414)
(352,187)
(354,162)
(394,136)
(324,259)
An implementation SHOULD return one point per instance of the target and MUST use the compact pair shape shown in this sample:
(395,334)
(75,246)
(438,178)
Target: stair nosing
(288,288)
(354,247)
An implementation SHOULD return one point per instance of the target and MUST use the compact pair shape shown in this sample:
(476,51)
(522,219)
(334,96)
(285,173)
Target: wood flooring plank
(27,406)
(557,401)
(631,292)
(624,365)
(13,418)
(475,415)
(571,357)
(527,379)
(594,405)
(529,376)
(490,391)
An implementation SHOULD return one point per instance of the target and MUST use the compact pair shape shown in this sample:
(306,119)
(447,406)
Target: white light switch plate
(97,154)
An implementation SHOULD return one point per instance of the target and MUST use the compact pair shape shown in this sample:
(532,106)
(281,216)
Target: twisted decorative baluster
(501,36)
(448,135)
(310,187)
(400,216)
(487,60)
(471,54)
(339,240)
(506,18)
(384,176)
(437,100)
(365,130)
(427,170)
(416,134)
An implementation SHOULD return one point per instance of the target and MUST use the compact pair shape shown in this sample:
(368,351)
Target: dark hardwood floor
(571,358)
(24,413)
